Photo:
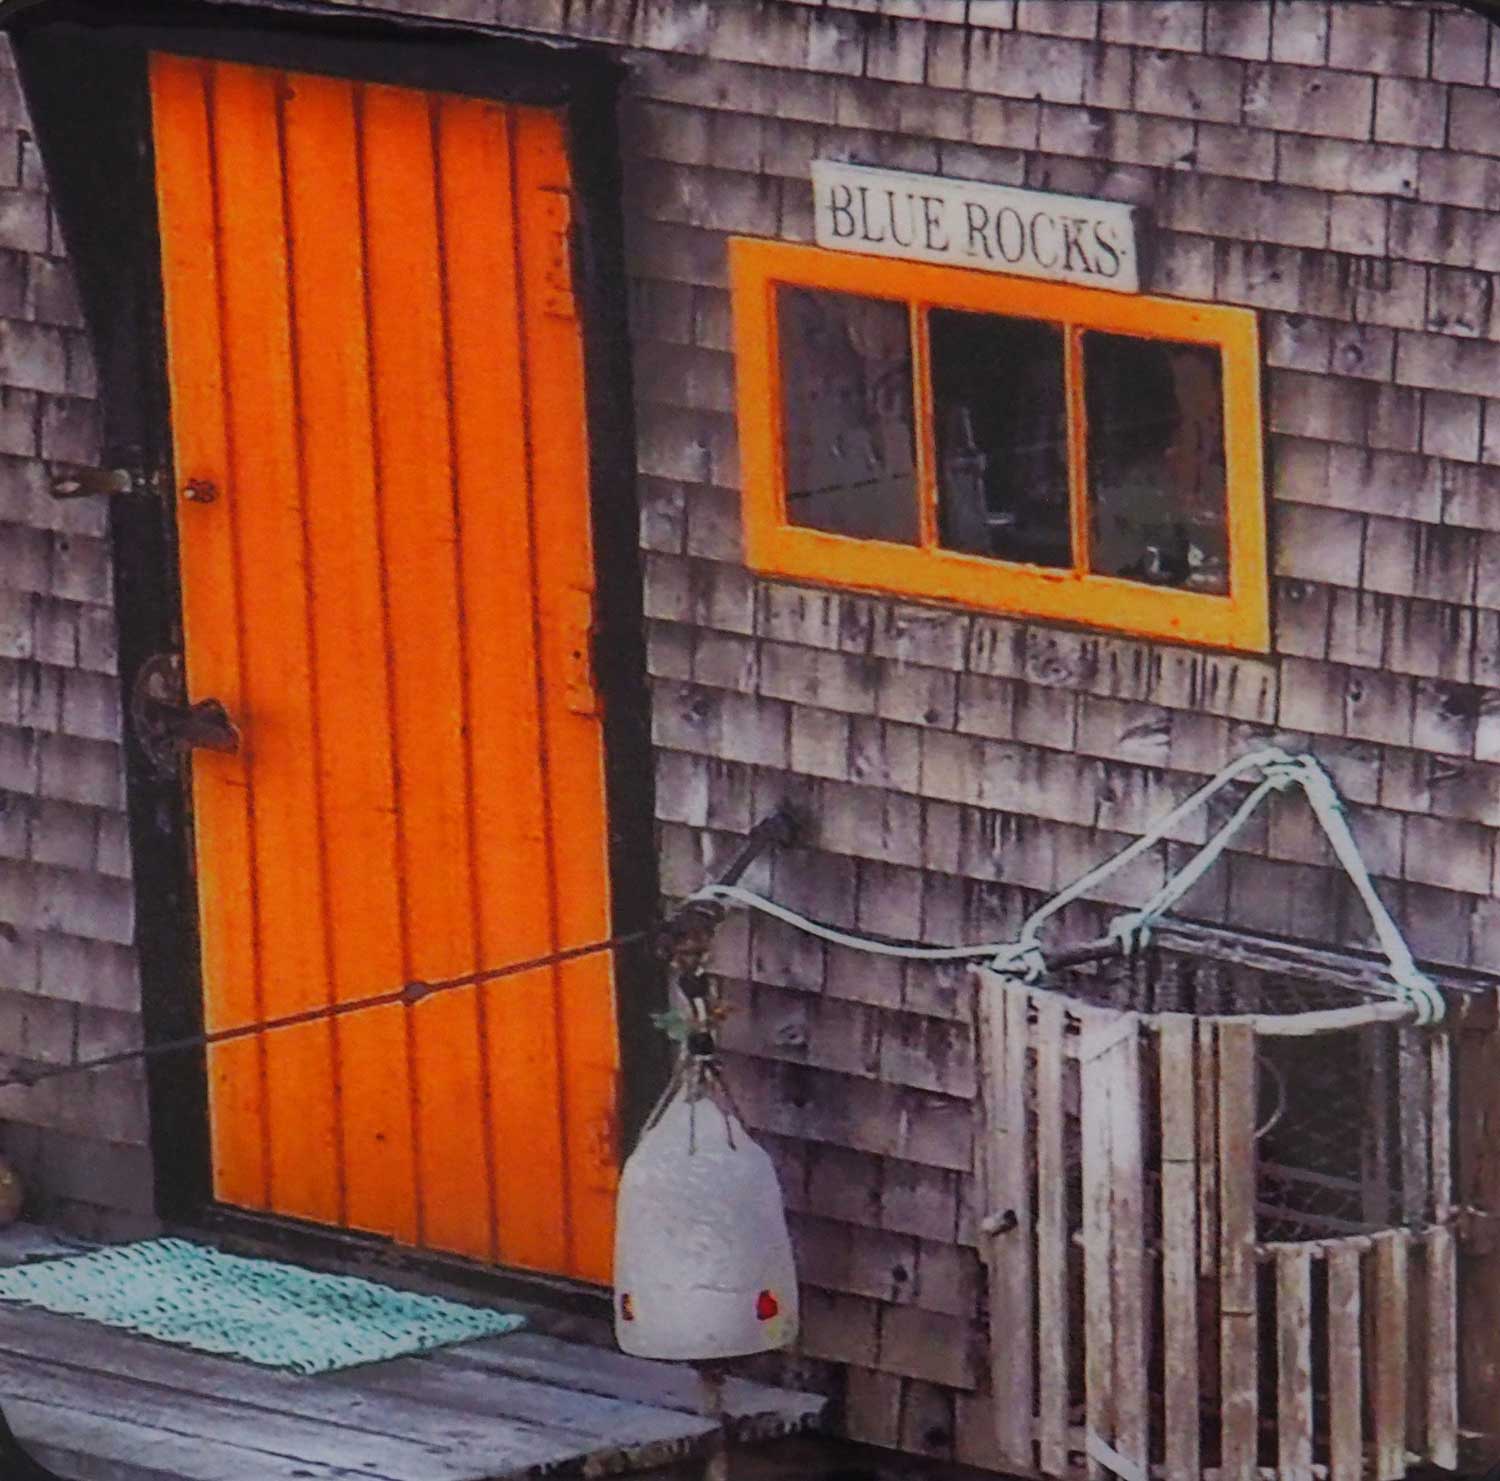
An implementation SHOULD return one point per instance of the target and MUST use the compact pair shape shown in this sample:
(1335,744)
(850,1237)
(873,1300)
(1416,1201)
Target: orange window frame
(926,571)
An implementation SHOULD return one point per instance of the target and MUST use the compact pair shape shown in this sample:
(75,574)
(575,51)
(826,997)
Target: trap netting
(1217,1191)
(1343,1094)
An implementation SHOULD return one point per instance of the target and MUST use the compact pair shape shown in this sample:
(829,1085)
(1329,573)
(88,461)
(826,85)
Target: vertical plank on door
(1238,1323)
(264,495)
(1132,1314)
(1177,1069)
(211,619)
(1294,1386)
(474,140)
(429,690)
(1053,1238)
(1345,1364)
(356,783)
(572,727)
(1391,1338)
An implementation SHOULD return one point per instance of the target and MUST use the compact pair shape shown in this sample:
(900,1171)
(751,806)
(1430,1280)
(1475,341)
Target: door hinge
(65,481)
(556,208)
(580,689)
(165,723)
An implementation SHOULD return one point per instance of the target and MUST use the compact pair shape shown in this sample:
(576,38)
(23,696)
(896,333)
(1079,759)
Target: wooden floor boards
(101,1405)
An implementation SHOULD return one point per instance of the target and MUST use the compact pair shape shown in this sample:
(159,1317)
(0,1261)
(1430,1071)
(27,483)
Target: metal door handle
(166,724)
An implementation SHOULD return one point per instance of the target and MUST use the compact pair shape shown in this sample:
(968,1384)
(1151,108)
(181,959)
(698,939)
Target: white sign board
(966,223)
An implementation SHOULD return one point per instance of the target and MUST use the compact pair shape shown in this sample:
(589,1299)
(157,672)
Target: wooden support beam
(1238,1321)
(1208,1149)
(1294,1386)
(1053,1242)
(1006,1231)
(1345,1388)
(1442,1343)
(1177,1062)
(1097,1103)
(1391,1354)
(1477,1134)
(1017,1401)
(1132,1317)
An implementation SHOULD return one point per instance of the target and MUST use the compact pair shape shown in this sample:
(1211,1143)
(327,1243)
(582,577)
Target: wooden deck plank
(256,1430)
(87,1447)
(52,1342)
(605,1435)
(751,1409)
(523,1405)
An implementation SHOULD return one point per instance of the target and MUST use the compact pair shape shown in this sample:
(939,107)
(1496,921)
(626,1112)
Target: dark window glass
(847,422)
(1000,416)
(1156,462)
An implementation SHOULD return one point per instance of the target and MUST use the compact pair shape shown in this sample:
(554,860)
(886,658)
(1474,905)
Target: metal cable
(411,993)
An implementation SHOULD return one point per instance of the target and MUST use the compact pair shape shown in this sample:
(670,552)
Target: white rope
(732,894)
(1270,756)
(1023,957)
(1408,982)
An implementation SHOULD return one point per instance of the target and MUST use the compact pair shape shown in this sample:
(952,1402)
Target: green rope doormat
(280,1316)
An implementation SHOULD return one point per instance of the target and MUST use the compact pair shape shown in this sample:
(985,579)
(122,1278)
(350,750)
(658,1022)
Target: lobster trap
(1216,1171)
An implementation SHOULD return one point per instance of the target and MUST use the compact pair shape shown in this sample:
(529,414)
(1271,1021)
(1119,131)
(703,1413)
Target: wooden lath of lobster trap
(1216,1175)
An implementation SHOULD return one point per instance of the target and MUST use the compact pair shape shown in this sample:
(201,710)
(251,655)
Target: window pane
(1000,417)
(846,414)
(1156,462)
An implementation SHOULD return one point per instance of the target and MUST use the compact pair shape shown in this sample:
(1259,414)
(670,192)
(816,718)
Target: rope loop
(1279,772)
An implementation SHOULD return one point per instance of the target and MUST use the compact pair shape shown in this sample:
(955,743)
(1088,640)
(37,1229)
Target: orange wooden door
(375,364)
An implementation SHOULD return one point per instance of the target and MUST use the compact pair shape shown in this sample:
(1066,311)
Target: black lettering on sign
(932,224)
(1010,233)
(1036,250)
(841,211)
(864,217)
(890,202)
(1073,244)
(1109,259)
(978,220)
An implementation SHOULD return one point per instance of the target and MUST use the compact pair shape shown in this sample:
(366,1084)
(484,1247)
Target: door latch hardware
(200,491)
(167,725)
(68,482)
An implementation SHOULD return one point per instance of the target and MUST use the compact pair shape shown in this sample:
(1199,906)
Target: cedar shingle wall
(1336,167)
(68,980)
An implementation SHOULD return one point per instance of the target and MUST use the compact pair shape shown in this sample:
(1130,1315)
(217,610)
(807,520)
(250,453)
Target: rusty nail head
(200,491)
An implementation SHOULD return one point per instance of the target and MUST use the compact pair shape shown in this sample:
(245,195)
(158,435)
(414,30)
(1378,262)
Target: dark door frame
(83,68)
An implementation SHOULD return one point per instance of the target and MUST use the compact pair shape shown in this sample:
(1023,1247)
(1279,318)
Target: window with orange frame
(1026,447)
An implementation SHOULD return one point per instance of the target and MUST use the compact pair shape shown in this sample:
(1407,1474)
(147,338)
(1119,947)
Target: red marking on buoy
(627,1307)
(767,1306)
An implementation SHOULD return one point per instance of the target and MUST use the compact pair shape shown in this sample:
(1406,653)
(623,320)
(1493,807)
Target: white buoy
(703,1261)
